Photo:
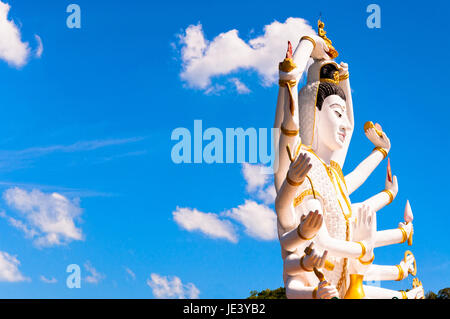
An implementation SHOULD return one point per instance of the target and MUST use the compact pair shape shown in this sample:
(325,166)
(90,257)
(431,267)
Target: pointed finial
(389,171)
(408,213)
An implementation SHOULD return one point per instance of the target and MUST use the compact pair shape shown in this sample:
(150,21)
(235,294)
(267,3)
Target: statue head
(332,123)
(324,120)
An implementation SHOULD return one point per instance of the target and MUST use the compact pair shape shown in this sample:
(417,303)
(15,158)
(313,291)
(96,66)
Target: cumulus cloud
(260,221)
(9,269)
(241,88)
(164,287)
(47,280)
(40,48)
(228,53)
(254,176)
(94,276)
(207,223)
(12,49)
(47,218)
(258,182)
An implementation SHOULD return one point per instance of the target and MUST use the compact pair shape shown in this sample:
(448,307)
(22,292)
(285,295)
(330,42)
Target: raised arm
(286,117)
(385,197)
(360,174)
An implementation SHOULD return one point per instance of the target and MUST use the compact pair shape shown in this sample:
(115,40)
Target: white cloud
(171,288)
(94,276)
(254,176)
(48,218)
(227,53)
(267,195)
(40,48)
(9,269)
(12,49)
(260,221)
(130,273)
(241,88)
(48,281)
(258,182)
(207,223)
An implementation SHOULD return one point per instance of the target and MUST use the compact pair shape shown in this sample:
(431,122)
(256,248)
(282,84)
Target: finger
(324,258)
(323,284)
(319,221)
(302,163)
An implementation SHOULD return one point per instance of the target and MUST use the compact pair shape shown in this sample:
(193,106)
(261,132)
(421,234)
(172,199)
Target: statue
(327,243)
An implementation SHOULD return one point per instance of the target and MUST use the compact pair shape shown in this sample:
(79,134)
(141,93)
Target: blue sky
(91,119)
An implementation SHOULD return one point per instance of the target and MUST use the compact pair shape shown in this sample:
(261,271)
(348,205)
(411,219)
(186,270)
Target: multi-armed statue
(313,205)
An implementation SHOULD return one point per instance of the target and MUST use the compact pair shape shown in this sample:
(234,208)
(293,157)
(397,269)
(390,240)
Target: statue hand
(392,186)
(407,265)
(320,50)
(377,140)
(407,227)
(299,168)
(311,224)
(366,229)
(326,291)
(343,68)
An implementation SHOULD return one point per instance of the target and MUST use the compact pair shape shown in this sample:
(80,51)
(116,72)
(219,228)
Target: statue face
(333,125)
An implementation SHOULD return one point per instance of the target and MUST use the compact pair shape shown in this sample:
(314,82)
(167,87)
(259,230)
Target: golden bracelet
(283,83)
(303,266)
(404,234)
(363,249)
(301,236)
(391,195)
(404,295)
(344,77)
(382,150)
(291,182)
(309,39)
(401,274)
(289,132)
(314,293)
(367,262)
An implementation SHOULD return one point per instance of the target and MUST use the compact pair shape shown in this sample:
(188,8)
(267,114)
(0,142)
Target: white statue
(313,204)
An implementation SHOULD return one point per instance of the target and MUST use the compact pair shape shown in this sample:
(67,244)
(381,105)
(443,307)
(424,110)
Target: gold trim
(291,182)
(344,77)
(404,234)
(367,262)
(404,295)
(287,65)
(314,293)
(283,83)
(309,192)
(329,81)
(390,194)
(303,266)
(363,249)
(414,272)
(289,132)
(401,274)
(309,39)
(382,150)
(336,166)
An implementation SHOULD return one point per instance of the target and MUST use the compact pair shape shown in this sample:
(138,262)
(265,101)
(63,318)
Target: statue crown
(322,33)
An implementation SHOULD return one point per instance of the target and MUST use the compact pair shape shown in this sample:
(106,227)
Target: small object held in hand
(389,171)
(377,128)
